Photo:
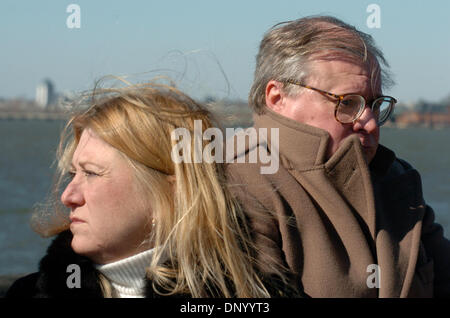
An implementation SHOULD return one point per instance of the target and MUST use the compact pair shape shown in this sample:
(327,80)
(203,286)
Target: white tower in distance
(44,93)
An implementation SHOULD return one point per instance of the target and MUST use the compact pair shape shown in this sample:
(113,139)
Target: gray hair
(288,47)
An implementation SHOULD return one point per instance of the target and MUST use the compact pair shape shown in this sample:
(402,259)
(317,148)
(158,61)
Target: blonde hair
(202,245)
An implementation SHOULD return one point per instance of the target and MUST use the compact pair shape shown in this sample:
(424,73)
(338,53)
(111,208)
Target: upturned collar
(304,147)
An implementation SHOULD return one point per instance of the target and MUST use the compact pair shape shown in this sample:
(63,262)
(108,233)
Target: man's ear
(275,96)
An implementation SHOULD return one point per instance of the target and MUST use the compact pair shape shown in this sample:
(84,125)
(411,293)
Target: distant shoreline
(242,118)
(33,115)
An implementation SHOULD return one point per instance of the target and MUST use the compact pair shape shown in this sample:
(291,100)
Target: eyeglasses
(350,107)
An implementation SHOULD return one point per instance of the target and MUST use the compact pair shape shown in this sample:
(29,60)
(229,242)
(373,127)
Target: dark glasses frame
(392,101)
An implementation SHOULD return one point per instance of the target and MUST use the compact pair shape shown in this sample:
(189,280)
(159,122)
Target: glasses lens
(382,109)
(349,108)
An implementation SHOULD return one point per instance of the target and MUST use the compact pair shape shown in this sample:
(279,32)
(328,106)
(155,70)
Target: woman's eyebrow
(83,163)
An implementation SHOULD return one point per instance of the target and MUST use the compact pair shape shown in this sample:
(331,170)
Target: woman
(140,224)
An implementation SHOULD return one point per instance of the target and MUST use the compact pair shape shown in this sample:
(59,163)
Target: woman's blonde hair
(202,245)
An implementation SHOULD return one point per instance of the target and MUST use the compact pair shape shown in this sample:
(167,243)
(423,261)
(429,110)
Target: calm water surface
(28,149)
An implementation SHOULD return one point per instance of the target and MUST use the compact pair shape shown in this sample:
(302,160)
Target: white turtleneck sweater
(127,276)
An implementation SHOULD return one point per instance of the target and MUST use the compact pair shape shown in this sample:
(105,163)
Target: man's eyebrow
(350,92)
(368,98)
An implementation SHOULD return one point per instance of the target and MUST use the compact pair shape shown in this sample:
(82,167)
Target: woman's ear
(172,180)
(274,96)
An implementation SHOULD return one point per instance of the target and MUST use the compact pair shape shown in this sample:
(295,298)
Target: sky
(207,47)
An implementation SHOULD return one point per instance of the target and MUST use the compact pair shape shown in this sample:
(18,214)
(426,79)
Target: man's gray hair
(288,47)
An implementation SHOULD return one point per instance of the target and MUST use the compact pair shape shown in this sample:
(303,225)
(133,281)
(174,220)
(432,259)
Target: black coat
(51,280)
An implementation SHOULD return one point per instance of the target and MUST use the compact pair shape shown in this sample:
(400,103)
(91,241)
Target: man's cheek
(376,134)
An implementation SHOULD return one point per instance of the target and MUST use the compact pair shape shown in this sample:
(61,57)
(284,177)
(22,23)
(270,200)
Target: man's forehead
(342,77)
(338,67)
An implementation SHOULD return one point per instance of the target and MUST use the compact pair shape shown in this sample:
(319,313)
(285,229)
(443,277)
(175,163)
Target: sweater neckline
(128,275)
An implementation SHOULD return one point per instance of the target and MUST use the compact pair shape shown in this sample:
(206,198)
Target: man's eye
(351,102)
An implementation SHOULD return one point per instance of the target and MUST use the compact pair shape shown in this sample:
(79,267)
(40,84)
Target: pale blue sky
(204,44)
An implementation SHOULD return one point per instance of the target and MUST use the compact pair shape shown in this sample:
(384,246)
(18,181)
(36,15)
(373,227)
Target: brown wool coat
(328,221)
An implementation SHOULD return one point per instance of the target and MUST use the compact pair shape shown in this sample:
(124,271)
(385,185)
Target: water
(428,151)
(26,156)
(28,149)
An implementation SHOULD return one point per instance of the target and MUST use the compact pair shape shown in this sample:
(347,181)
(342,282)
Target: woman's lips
(76,220)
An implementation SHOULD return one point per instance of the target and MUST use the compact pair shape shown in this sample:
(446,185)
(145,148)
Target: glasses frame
(392,102)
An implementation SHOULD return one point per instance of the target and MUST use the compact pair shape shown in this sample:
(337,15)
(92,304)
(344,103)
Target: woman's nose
(72,196)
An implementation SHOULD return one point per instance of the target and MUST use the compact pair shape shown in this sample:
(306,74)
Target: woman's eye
(88,173)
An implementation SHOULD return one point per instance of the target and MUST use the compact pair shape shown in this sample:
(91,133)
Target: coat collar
(305,146)
(340,185)
(54,273)
(352,186)
(294,138)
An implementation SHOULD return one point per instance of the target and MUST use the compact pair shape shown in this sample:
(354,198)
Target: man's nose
(367,121)
(72,196)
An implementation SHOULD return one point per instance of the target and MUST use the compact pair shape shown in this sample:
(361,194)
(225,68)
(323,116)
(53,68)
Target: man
(342,213)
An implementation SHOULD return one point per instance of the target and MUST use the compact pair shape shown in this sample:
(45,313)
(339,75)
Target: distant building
(65,100)
(45,93)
